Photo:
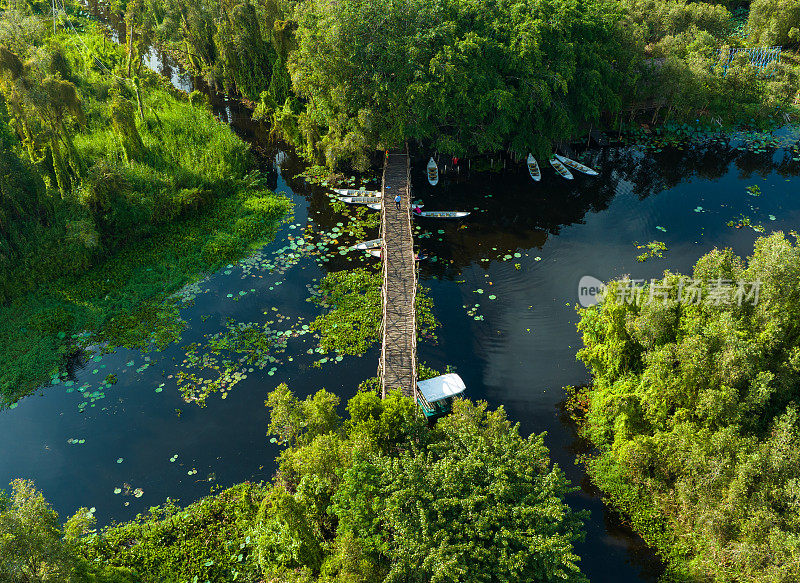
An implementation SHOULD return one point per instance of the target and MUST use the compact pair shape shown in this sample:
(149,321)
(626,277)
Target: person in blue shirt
(397,201)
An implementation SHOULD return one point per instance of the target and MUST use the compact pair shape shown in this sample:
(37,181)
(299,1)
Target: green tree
(35,548)
(694,409)
(774,22)
(379,497)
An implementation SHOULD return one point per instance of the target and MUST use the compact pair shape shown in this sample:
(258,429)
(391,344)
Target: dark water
(519,353)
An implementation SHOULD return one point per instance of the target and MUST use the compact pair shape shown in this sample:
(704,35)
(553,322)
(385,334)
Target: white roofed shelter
(435,395)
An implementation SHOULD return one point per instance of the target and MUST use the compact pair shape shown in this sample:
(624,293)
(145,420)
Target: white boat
(366,245)
(576,165)
(354,192)
(376,206)
(357,199)
(560,168)
(433,172)
(442,214)
(533,168)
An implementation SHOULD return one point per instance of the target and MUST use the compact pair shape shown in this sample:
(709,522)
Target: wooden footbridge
(398,364)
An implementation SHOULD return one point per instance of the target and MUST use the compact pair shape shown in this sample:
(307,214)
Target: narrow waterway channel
(504,283)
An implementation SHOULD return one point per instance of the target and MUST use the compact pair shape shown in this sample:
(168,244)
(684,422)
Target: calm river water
(519,257)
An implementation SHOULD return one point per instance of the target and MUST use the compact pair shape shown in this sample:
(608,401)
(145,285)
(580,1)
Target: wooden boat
(376,206)
(560,168)
(435,396)
(357,199)
(433,172)
(533,168)
(441,214)
(366,245)
(354,192)
(576,165)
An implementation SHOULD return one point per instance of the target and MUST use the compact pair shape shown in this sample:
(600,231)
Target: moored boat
(376,206)
(576,165)
(371,244)
(560,168)
(441,214)
(433,172)
(357,199)
(533,168)
(354,192)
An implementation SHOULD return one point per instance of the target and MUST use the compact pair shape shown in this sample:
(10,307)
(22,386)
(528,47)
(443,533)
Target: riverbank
(134,193)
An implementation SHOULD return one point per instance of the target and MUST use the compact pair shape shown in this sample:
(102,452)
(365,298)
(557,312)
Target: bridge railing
(384,278)
(415,263)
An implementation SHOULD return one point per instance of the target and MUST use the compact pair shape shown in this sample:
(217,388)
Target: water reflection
(525,244)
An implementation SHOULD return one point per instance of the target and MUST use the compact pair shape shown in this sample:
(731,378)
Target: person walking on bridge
(397,201)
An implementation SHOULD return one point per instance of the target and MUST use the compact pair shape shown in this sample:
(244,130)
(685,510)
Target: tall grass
(131,232)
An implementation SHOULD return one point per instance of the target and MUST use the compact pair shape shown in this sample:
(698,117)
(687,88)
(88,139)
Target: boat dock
(398,363)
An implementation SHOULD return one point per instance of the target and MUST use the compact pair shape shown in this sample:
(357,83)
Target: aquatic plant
(654,249)
(353,321)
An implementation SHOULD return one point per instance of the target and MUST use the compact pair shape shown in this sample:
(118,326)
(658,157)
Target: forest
(116,190)
(694,411)
(338,80)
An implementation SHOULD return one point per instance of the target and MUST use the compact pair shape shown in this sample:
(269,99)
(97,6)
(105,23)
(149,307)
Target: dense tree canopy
(36,548)
(696,410)
(775,22)
(340,78)
(465,76)
(378,497)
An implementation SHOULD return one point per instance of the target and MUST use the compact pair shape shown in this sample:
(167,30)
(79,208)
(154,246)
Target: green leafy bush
(206,541)
(35,547)
(694,408)
(379,497)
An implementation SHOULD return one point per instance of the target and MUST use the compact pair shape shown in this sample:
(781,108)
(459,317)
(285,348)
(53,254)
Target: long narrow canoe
(366,245)
(354,192)
(577,165)
(433,172)
(533,168)
(376,206)
(357,199)
(442,214)
(560,168)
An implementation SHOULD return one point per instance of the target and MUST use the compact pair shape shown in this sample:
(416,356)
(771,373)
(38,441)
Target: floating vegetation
(654,249)
(744,221)
(754,190)
(229,356)
(472,311)
(323,176)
